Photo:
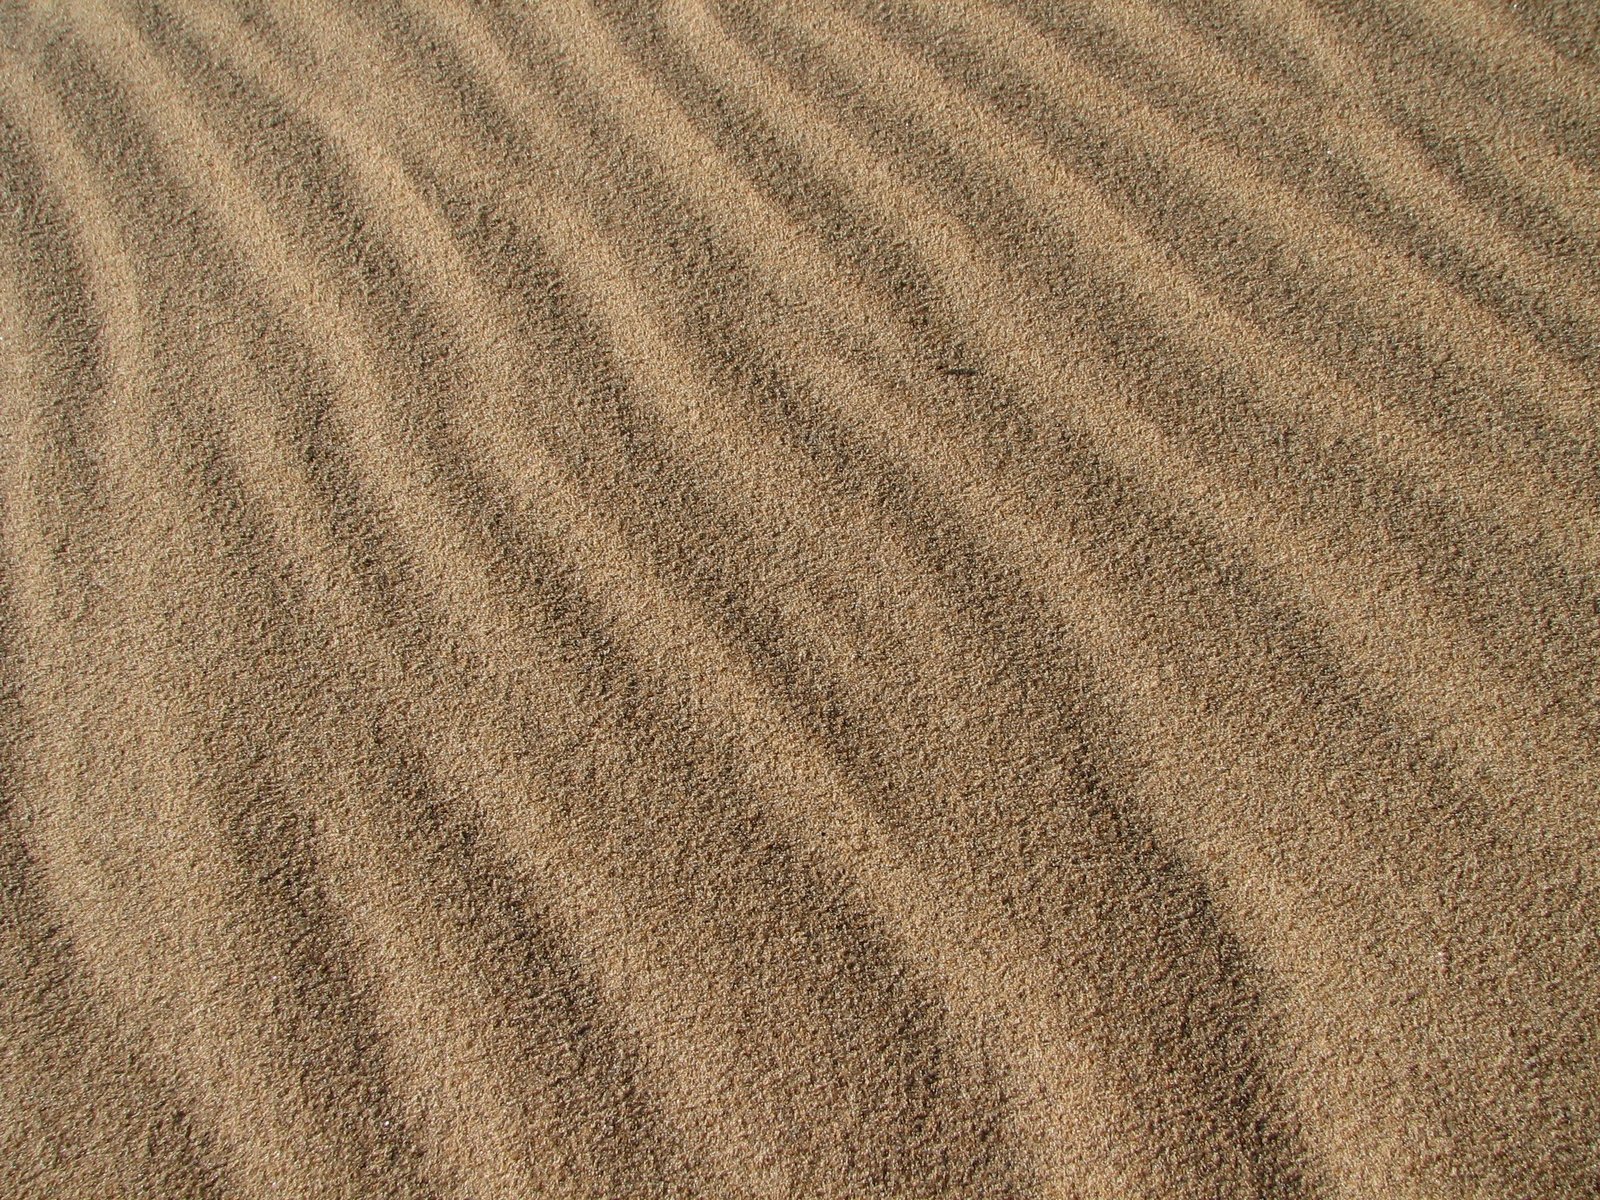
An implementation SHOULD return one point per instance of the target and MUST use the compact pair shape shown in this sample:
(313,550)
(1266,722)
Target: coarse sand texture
(770,598)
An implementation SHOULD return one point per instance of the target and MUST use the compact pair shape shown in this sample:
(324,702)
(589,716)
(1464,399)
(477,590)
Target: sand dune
(740,599)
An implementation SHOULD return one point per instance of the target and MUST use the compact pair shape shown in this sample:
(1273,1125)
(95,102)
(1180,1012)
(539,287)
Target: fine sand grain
(731,598)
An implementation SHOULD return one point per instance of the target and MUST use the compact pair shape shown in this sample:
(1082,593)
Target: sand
(725,598)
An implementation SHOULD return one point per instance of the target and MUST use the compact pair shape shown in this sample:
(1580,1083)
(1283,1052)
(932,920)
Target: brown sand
(778,599)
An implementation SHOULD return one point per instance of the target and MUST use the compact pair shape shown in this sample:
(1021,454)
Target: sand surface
(721,598)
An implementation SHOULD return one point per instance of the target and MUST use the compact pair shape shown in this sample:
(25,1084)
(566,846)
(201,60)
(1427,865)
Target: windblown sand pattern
(783,599)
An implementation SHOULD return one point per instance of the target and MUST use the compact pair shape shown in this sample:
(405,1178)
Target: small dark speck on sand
(961,372)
